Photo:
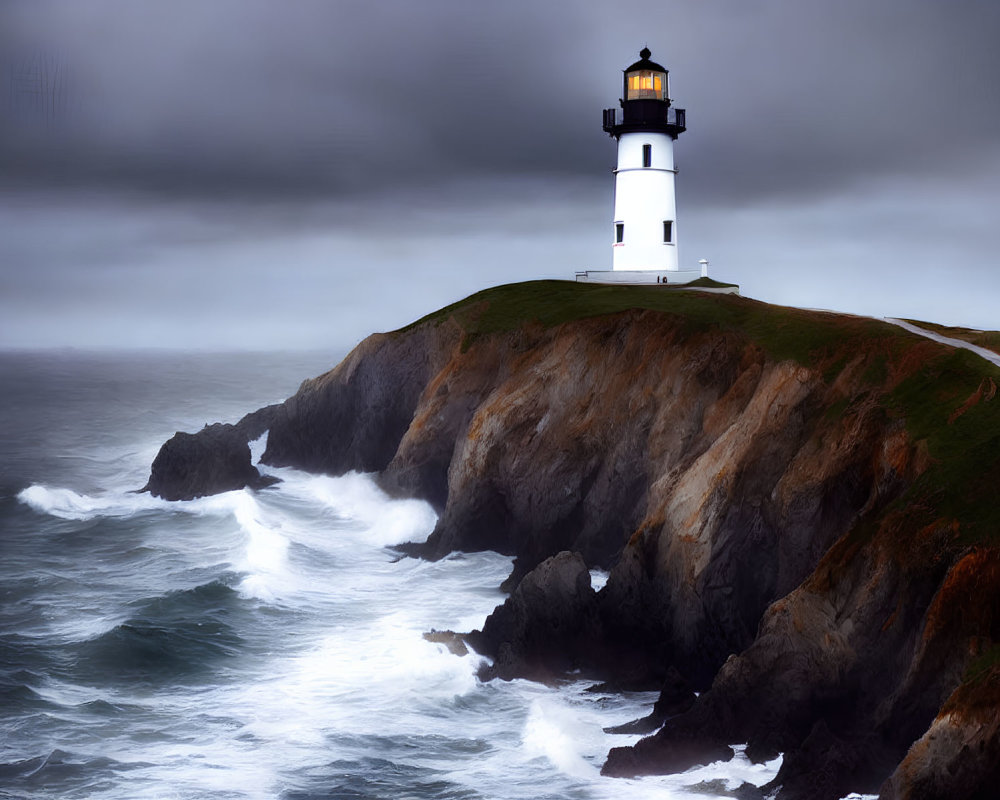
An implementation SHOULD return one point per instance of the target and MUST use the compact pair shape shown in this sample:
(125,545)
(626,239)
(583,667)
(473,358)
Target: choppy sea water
(252,645)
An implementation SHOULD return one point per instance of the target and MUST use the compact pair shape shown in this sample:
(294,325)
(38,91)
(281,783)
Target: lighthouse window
(647,155)
(619,232)
(646,85)
(668,231)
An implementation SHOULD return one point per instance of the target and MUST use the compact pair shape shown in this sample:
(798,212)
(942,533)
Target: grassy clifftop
(946,397)
(782,331)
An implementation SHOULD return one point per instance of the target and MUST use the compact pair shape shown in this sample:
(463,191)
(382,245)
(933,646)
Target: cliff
(797,509)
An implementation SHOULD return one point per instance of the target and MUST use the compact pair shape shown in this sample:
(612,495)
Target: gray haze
(243,173)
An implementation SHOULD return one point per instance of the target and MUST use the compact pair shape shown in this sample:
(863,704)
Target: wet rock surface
(959,754)
(454,642)
(214,460)
(543,630)
(676,697)
(677,756)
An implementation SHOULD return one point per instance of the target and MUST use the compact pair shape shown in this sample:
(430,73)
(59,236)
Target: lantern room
(645,80)
(645,103)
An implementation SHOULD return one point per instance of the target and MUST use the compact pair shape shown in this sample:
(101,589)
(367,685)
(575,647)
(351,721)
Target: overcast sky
(251,174)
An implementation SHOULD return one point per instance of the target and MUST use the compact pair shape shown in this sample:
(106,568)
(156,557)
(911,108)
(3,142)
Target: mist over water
(252,645)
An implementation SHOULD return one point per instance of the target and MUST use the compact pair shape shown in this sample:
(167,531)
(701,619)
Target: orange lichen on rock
(978,698)
(959,755)
(967,604)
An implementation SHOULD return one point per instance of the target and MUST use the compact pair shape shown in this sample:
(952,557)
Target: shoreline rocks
(214,460)
(544,629)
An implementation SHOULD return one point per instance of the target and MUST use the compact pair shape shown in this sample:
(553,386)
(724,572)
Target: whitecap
(356,497)
(384,680)
(67,504)
(552,731)
(598,579)
(265,555)
(257,448)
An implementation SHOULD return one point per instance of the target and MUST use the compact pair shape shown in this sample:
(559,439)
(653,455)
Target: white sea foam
(356,498)
(265,556)
(552,731)
(734,772)
(390,683)
(348,675)
(185,769)
(257,447)
(67,504)
(598,579)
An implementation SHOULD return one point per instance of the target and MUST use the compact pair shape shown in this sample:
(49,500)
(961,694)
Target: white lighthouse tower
(644,232)
(645,225)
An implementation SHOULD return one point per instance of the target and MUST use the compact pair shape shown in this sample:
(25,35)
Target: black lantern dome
(645,101)
(645,80)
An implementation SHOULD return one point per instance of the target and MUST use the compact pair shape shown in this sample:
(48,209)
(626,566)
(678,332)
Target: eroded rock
(451,640)
(666,757)
(214,460)
(676,697)
(958,757)
(544,628)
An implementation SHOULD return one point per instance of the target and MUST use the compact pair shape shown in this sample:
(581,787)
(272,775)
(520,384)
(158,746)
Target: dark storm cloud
(320,95)
(808,98)
(255,97)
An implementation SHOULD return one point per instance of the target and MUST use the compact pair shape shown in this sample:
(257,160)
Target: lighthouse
(644,229)
(645,224)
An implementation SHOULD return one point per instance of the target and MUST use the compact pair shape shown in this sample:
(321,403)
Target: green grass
(965,473)
(701,283)
(784,333)
(877,371)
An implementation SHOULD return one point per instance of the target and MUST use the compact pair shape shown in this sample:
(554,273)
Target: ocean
(253,645)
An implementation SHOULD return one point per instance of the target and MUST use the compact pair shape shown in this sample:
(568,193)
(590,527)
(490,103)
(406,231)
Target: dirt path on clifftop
(989,355)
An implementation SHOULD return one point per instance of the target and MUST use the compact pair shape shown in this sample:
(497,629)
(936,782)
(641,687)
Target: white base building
(639,276)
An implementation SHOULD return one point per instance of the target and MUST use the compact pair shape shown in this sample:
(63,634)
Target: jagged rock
(676,756)
(713,787)
(745,791)
(216,459)
(748,791)
(541,629)
(453,641)
(958,757)
(358,415)
(761,752)
(257,423)
(830,766)
(676,697)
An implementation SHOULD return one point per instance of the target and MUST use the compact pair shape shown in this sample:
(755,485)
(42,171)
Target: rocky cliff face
(797,510)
